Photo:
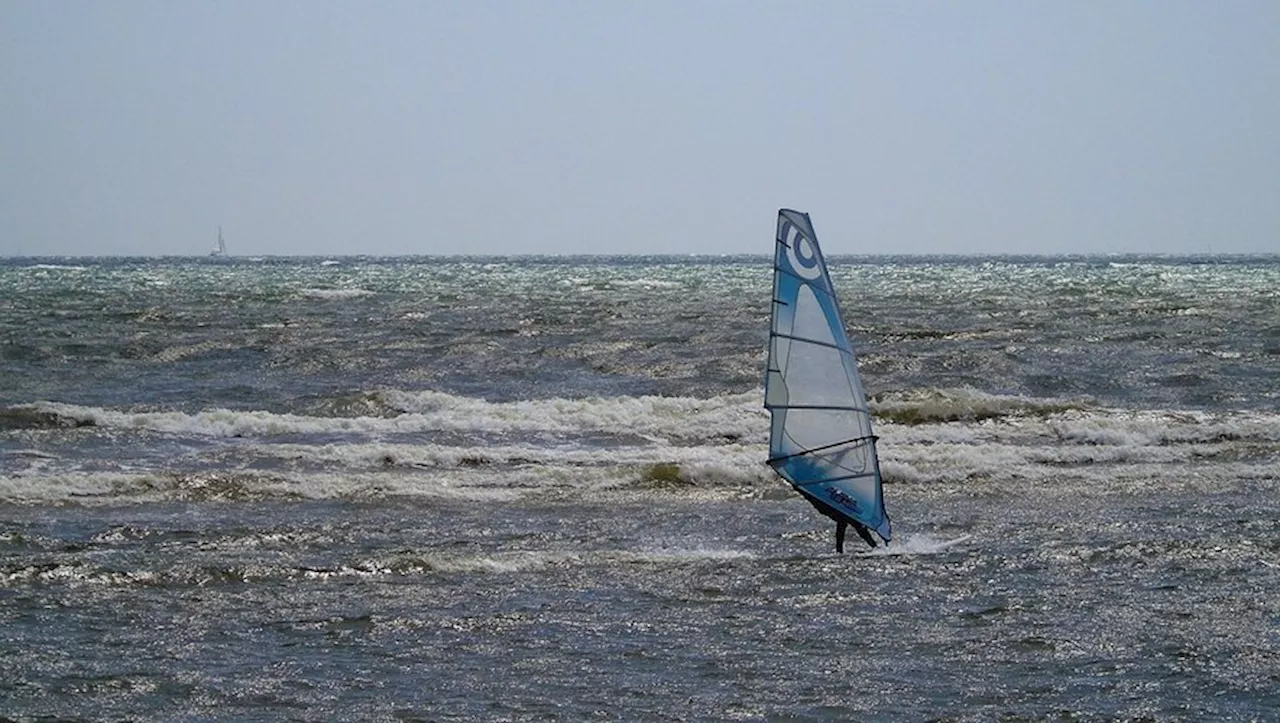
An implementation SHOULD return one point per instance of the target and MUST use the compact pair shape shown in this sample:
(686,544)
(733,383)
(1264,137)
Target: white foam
(1156,427)
(677,554)
(498,562)
(645,284)
(334,294)
(504,450)
(726,417)
(41,487)
(76,574)
(918,544)
(524,561)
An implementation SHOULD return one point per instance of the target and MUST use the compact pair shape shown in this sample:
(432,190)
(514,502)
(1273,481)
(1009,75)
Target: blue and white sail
(820,439)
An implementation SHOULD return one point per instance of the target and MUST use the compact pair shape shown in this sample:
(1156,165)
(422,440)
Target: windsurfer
(842,524)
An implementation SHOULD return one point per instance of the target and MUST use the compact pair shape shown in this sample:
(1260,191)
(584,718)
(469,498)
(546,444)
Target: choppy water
(441,489)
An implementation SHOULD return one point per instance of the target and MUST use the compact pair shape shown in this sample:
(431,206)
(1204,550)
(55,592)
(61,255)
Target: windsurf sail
(219,246)
(820,439)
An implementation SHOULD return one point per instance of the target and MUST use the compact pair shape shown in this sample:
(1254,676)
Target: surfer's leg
(840,528)
(864,533)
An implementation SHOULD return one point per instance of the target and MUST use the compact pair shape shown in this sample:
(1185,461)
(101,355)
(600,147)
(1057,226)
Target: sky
(638,127)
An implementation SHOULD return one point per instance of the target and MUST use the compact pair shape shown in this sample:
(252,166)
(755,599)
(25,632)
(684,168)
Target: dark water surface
(443,489)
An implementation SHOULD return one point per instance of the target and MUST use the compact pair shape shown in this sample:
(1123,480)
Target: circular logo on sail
(802,255)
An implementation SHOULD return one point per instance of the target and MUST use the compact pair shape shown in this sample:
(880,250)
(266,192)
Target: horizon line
(954,255)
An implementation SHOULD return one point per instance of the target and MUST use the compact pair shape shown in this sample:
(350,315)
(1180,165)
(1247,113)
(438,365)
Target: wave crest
(931,406)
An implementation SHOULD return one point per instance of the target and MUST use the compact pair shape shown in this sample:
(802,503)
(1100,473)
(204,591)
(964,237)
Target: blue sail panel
(820,437)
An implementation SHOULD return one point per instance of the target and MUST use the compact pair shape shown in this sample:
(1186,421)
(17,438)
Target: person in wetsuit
(842,524)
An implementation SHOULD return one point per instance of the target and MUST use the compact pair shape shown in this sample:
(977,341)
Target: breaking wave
(930,406)
(437,445)
(729,417)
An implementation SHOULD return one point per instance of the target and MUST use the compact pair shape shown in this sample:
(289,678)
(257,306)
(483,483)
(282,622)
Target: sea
(534,488)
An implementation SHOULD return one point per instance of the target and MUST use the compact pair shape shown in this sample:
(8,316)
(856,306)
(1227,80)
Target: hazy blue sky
(638,127)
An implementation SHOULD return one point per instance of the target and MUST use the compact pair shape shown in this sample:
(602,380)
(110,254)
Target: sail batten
(820,440)
(807,340)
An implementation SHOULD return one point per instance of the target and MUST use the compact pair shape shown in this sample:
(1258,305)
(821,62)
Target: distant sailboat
(820,438)
(220,246)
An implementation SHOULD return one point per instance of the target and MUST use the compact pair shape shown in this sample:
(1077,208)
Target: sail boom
(872,438)
(821,407)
